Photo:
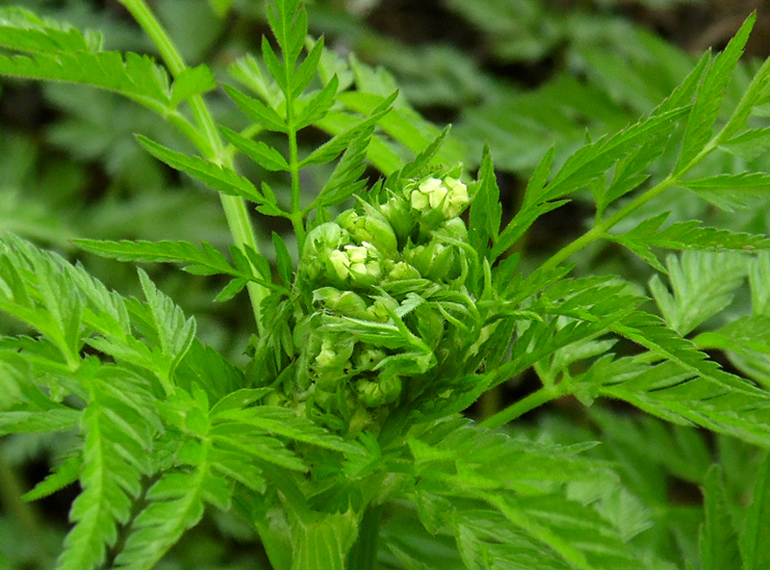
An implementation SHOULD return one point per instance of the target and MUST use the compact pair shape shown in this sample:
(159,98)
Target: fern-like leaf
(118,426)
(64,474)
(34,290)
(594,159)
(55,420)
(286,423)
(217,177)
(61,53)
(173,331)
(702,285)
(709,96)
(719,402)
(346,178)
(22,30)
(265,156)
(732,192)
(718,539)
(756,532)
(177,503)
(455,460)
(690,235)
(205,260)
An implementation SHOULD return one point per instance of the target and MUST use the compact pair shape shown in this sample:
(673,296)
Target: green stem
(527,404)
(207,141)
(548,393)
(490,403)
(297,215)
(599,231)
(363,554)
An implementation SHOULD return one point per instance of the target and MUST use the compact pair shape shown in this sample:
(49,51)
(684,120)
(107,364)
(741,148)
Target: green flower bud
(329,359)
(378,312)
(359,264)
(372,227)
(346,303)
(319,244)
(439,259)
(402,271)
(376,393)
(425,258)
(368,357)
(455,228)
(398,214)
(429,195)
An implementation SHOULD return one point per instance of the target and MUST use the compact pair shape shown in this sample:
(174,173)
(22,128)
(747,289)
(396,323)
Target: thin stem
(600,230)
(527,404)
(548,393)
(207,141)
(297,215)
(293,161)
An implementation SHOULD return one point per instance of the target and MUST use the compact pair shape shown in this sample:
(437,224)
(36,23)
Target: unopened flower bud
(345,303)
(354,265)
(376,393)
(397,212)
(455,228)
(368,357)
(320,244)
(402,271)
(423,258)
(378,311)
(372,227)
(430,194)
(332,362)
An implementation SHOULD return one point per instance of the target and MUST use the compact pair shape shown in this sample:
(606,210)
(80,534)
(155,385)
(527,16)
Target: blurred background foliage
(520,75)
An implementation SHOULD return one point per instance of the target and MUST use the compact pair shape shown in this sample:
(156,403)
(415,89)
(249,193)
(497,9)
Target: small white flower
(457,199)
(449,194)
(419,201)
(357,253)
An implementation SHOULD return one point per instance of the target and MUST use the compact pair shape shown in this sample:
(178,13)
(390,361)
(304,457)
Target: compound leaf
(710,94)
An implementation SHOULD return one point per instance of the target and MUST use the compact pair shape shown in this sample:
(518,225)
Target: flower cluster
(381,312)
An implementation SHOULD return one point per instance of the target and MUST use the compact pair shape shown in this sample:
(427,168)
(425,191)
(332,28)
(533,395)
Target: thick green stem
(363,554)
(208,143)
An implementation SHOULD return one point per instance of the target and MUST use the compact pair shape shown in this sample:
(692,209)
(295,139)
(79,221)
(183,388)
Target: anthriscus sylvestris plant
(339,441)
